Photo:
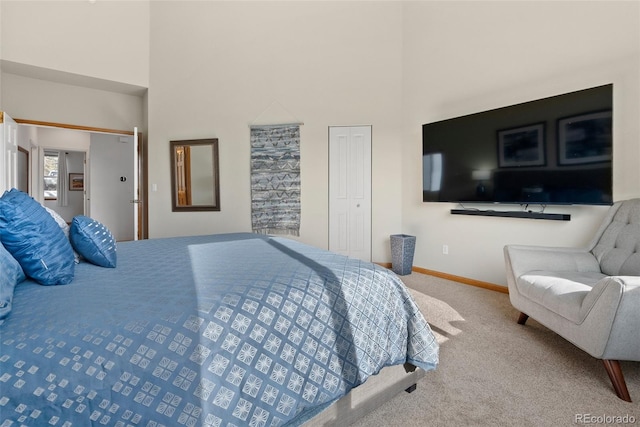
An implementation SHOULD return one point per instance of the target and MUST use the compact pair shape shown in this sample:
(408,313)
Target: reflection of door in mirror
(194,169)
(183,174)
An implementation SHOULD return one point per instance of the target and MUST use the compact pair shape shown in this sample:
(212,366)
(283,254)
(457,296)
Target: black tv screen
(556,150)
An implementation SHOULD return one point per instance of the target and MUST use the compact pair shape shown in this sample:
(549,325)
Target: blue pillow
(34,239)
(93,241)
(12,274)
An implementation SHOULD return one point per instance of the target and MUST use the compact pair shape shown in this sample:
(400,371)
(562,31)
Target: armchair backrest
(618,246)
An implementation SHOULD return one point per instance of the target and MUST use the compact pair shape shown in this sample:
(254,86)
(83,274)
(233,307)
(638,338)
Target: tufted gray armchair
(589,296)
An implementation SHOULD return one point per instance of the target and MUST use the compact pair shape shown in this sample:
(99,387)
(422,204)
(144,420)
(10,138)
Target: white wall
(216,67)
(466,57)
(202,177)
(105,39)
(75,62)
(42,100)
(1,44)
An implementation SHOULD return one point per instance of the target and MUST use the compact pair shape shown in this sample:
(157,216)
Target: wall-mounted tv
(556,150)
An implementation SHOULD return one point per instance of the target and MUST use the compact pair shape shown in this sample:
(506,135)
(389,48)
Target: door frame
(142,160)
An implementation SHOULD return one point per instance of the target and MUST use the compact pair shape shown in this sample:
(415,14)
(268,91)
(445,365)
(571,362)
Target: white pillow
(65,229)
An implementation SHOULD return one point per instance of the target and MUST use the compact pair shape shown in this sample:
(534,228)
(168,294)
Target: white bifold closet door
(350,191)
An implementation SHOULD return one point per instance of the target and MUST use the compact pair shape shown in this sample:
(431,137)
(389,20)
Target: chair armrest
(521,259)
(608,289)
(622,343)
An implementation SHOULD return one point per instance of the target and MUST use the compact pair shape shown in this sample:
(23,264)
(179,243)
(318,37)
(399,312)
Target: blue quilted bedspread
(222,330)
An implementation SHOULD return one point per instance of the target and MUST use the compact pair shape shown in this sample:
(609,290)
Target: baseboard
(460,279)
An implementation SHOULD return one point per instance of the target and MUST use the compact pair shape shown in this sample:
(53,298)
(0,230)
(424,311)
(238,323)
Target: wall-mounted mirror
(194,175)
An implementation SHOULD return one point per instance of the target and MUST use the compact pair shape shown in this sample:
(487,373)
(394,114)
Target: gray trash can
(402,248)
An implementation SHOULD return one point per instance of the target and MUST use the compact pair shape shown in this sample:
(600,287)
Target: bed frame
(363,399)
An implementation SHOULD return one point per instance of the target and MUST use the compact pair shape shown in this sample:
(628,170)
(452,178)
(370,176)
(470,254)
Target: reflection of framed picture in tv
(585,138)
(76,181)
(522,146)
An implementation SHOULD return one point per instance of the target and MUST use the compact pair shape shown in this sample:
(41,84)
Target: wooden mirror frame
(182,203)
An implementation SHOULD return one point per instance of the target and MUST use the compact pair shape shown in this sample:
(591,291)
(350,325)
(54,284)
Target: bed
(217,330)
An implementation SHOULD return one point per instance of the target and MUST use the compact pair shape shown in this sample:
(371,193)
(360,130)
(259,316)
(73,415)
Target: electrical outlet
(445,249)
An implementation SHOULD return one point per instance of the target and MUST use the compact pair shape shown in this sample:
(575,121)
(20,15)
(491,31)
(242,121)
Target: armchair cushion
(564,293)
(522,259)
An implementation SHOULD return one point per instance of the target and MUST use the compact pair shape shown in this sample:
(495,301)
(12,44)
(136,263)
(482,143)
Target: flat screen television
(556,150)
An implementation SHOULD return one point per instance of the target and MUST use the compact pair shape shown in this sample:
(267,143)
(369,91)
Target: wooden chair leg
(617,379)
(522,319)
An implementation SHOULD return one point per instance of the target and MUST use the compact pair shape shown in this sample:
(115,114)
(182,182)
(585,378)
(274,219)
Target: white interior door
(112,183)
(9,155)
(350,191)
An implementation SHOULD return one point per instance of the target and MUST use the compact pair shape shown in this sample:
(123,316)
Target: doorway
(111,196)
(350,191)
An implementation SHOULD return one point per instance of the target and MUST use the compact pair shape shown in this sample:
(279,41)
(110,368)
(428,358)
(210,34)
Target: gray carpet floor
(494,372)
